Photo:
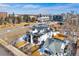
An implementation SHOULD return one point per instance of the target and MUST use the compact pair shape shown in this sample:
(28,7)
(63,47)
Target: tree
(13,18)
(26,18)
(18,20)
(1,21)
(71,26)
(7,19)
(33,19)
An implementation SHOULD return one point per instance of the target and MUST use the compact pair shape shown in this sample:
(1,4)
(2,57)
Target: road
(4,52)
(3,33)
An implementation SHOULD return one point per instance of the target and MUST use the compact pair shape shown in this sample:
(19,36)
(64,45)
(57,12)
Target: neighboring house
(3,14)
(43,18)
(58,18)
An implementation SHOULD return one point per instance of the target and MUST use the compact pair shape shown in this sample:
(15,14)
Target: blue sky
(37,8)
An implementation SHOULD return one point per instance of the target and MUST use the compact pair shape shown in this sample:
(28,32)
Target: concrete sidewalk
(4,52)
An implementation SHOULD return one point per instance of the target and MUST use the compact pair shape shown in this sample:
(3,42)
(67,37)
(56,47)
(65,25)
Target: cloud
(44,9)
(51,9)
(38,8)
(4,5)
(58,9)
(31,6)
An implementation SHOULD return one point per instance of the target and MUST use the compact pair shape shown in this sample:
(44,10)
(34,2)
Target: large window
(58,18)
